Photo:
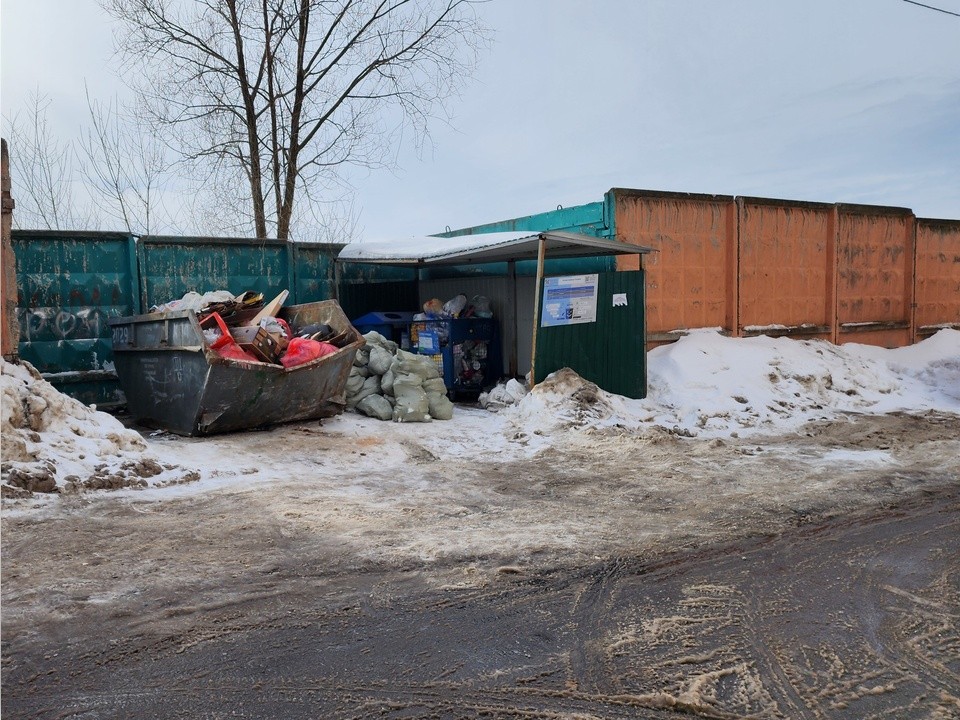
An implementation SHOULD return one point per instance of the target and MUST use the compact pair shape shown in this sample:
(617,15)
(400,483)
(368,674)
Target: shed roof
(485,248)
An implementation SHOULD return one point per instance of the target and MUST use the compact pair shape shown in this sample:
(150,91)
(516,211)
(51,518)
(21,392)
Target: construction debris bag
(371,386)
(421,365)
(375,339)
(386,382)
(412,404)
(380,360)
(376,406)
(435,385)
(440,406)
(354,381)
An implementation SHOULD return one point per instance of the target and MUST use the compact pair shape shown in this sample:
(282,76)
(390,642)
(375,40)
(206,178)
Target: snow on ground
(704,385)
(709,385)
(51,441)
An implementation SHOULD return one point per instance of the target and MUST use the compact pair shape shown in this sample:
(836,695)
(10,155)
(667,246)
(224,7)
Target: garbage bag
(440,406)
(363,357)
(375,406)
(234,352)
(302,350)
(454,306)
(481,306)
(435,385)
(412,404)
(380,360)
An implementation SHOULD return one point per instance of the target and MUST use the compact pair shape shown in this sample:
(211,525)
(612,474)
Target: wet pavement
(854,618)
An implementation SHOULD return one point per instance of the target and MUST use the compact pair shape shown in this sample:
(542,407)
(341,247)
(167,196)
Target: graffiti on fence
(51,323)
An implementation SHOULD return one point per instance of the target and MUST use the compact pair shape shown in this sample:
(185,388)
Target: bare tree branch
(289,93)
(42,171)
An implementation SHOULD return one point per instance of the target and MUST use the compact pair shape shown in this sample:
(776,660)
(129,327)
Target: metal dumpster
(173,380)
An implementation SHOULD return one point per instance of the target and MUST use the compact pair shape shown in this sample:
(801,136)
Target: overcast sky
(823,100)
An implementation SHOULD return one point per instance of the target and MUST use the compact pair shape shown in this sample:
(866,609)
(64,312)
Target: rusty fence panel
(875,275)
(786,259)
(937,290)
(691,276)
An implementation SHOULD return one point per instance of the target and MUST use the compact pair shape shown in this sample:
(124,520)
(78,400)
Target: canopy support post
(541,251)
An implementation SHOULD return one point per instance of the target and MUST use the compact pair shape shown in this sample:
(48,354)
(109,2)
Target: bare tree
(124,167)
(43,171)
(284,94)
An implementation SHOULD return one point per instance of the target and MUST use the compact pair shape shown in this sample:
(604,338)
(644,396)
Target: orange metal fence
(846,273)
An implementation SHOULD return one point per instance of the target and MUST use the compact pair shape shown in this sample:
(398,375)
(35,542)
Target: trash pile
(456,307)
(244,328)
(388,383)
(503,395)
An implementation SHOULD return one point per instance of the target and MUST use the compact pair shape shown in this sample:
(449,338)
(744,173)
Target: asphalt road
(855,618)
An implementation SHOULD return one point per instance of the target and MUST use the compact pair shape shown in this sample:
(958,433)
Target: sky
(855,101)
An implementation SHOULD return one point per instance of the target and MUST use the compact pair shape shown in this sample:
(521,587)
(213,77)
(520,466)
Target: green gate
(610,350)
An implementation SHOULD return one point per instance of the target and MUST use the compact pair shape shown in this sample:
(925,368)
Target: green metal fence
(611,351)
(69,283)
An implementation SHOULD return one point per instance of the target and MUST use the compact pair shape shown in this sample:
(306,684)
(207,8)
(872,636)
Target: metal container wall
(313,271)
(938,276)
(70,285)
(875,271)
(786,261)
(173,380)
(173,266)
(691,278)
(611,351)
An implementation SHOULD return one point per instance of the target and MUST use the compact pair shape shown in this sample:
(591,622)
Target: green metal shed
(592,322)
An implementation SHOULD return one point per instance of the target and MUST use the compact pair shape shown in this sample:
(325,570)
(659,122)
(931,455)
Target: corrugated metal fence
(69,283)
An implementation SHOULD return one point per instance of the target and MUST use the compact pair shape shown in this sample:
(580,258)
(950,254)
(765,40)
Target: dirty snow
(51,442)
(704,385)
(708,385)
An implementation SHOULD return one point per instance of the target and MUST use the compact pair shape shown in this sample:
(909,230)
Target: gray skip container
(173,380)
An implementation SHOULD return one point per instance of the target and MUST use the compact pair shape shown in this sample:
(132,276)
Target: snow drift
(53,443)
(710,385)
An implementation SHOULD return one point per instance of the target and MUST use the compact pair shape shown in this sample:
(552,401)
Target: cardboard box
(258,342)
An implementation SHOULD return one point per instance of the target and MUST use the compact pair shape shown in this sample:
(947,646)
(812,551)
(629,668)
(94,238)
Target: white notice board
(569,300)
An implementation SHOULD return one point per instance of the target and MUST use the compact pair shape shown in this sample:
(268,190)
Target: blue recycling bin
(392,325)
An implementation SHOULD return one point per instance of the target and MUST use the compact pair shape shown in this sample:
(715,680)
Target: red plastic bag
(234,352)
(303,350)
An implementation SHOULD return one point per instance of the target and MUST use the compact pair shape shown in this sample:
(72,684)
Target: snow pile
(709,385)
(53,443)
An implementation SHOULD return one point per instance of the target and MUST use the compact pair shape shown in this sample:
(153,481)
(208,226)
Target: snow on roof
(490,247)
(420,246)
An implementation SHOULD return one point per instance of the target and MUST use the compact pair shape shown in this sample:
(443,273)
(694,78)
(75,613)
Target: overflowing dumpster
(174,378)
